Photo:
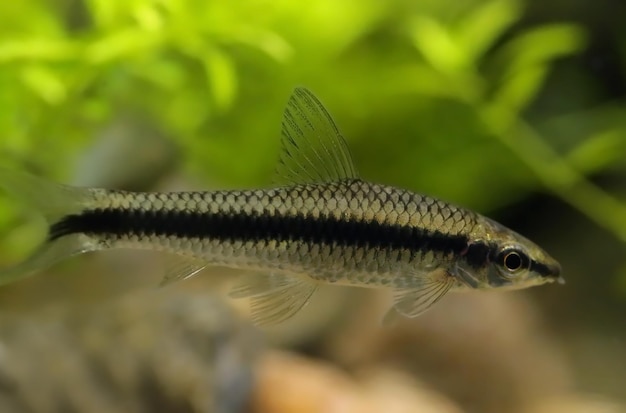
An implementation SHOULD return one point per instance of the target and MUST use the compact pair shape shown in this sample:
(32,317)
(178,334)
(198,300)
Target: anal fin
(413,301)
(275,297)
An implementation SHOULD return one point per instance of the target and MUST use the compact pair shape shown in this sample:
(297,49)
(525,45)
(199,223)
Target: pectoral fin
(466,277)
(411,302)
(275,297)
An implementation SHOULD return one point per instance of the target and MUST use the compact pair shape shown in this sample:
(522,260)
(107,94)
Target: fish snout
(556,269)
(554,272)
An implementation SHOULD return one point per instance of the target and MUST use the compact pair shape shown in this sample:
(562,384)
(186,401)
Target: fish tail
(54,202)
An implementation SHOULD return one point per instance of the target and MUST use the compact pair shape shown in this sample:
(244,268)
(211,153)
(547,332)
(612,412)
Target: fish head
(501,258)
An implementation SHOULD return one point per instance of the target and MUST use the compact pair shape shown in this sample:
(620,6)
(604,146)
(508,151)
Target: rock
(394,391)
(287,383)
(487,351)
(158,352)
(576,403)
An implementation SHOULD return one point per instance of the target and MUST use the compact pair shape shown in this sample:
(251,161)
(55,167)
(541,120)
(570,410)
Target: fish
(320,223)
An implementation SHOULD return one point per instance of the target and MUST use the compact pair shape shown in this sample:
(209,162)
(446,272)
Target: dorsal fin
(313,150)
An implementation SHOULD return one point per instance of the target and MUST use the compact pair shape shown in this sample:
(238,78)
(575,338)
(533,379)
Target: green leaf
(520,88)
(541,45)
(148,16)
(122,44)
(437,45)
(39,49)
(220,73)
(107,13)
(165,73)
(45,83)
(482,27)
(525,60)
(599,151)
(270,43)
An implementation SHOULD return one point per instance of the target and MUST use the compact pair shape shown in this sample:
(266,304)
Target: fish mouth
(555,269)
(554,273)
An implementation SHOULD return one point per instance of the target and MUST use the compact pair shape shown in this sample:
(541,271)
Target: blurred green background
(514,108)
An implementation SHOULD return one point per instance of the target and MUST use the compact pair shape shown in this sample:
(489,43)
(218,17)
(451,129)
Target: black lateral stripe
(477,254)
(246,227)
(541,269)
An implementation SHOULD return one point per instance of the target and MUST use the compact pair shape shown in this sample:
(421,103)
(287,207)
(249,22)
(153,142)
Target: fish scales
(351,232)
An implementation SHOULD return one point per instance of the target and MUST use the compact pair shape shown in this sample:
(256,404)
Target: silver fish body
(322,224)
(351,232)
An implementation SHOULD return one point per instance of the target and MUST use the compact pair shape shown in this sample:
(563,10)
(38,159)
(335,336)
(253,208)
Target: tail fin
(54,202)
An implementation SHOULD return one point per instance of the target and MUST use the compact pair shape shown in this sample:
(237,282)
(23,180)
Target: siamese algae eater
(320,224)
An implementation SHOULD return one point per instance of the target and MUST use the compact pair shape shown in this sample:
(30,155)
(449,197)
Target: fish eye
(513,260)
